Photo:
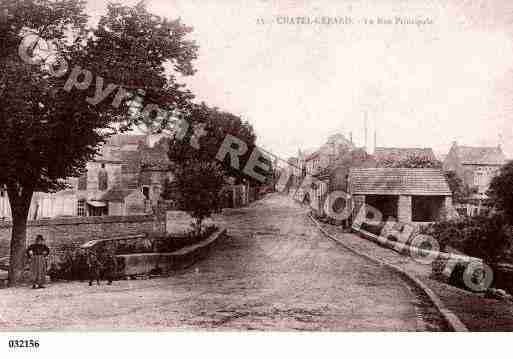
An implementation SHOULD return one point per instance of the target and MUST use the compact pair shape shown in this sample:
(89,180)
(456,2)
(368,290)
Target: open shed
(406,194)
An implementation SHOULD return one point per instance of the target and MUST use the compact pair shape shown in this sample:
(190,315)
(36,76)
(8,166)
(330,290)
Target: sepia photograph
(267,166)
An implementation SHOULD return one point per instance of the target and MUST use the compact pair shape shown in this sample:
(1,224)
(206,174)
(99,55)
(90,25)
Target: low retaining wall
(406,249)
(144,263)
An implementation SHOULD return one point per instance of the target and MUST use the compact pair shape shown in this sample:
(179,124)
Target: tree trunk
(19,200)
(199,221)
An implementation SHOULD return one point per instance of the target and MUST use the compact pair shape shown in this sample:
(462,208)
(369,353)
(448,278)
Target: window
(103,179)
(98,211)
(480,178)
(82,182)
(146,192)
(81,208)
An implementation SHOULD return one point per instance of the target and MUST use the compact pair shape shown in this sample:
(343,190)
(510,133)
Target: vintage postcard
(269,166)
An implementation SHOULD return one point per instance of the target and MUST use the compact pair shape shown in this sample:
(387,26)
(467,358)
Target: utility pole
(365,130)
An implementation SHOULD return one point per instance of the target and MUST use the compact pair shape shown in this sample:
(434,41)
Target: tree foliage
(196,189)
(144,53)
(215,126)
(500,191)
(200,175)
(49,133)
(412,161)
(460,191)
(485,237)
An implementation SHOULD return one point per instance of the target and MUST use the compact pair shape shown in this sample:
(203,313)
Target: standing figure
(94,267)
(109,267)
(37,253)
(82,266)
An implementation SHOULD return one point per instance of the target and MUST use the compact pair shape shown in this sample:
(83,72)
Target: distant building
(320,159)
(330,165)
(126,178)
(476,166)
(409,195)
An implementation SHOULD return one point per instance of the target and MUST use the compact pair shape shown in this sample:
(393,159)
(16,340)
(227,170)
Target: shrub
(172,243)
(456,277)
(486,237)
(392,238)
(438,267)
(71,265)
(477,278)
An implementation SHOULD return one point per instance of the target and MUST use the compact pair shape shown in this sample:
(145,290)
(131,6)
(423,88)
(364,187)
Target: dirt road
(274,272)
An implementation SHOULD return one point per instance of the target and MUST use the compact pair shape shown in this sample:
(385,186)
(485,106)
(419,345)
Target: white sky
(421,86)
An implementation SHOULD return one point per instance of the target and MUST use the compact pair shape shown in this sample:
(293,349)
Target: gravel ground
(275,271)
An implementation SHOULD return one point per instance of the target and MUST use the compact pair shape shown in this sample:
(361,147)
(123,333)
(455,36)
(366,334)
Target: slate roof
(397,181)
(399,154)
(481,155)
(116,194)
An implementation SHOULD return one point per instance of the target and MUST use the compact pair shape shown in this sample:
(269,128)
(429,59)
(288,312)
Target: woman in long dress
(37,253)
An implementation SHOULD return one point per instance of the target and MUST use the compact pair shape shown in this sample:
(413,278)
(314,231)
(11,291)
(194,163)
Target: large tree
(204,135)
(52,121)
(460,191)
(194,152)
(196,189)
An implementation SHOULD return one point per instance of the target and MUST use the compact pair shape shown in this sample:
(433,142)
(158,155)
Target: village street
(275,271)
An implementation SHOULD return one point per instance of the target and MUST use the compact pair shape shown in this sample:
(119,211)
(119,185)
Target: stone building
(316,161)
(476,166)
(410,195)
(329,165)
(126,178)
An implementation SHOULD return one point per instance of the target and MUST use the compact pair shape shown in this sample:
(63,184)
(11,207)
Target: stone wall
(71,232)
(404,209)
(358,202)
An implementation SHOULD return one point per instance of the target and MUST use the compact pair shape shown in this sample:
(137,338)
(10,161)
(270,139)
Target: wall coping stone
(83,220)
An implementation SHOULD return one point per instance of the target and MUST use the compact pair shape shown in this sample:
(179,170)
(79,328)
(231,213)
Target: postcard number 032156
(23,343)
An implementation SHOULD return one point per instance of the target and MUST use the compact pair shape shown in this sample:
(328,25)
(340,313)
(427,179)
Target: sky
(448,78)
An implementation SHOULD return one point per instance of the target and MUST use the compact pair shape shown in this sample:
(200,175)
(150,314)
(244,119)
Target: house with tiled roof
(322,164)
(127,177)
(409,195)
(476,166)
(155,170)
(318,160)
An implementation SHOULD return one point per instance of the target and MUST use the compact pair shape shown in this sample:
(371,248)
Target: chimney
(375,145)
(351,137)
